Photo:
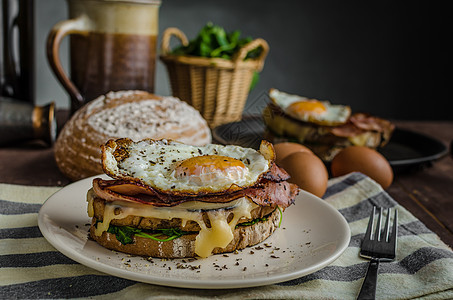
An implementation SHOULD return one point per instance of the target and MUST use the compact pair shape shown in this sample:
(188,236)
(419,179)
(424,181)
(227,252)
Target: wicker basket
(216,87)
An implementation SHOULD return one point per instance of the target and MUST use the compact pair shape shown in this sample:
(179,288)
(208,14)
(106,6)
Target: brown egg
(282,150)
(364,160)
(307,171)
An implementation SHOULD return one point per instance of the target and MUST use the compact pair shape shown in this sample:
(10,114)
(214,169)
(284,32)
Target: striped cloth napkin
(31,268)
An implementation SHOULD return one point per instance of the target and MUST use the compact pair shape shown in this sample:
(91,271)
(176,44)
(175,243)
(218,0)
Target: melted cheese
(220,234)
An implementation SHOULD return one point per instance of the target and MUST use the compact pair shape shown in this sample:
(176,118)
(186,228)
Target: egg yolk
(211,169)
(306,108)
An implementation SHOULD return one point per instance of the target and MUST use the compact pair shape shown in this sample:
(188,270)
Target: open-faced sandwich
(323,127)
(172,200)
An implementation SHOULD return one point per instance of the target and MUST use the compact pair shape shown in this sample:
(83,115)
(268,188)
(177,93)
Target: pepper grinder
(21,121)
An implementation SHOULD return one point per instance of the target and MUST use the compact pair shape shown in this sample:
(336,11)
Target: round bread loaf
(244,236)
(133,114)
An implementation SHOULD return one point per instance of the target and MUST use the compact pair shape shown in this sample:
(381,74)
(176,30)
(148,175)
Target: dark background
(388,58)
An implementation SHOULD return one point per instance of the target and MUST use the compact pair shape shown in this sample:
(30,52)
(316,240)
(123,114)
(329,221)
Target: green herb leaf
(264,219)
(254,221)
(233,36)
(220,36)
(281,216)
(255,79)
(125,234)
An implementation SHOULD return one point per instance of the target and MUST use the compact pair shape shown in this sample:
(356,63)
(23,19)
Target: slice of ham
(346,130)
(368,122)
(120,190)
(359,123)
(265,193)
(273,193)
(276,173)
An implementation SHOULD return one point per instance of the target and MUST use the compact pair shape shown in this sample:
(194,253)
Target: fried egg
(310,110)
(172,167)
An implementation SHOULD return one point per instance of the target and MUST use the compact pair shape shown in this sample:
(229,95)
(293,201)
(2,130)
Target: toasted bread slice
(184,246)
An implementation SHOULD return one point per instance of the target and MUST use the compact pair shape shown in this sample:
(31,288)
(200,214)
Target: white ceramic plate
(312,235)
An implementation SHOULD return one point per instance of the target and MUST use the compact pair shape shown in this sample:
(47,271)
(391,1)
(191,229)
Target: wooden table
(427,193)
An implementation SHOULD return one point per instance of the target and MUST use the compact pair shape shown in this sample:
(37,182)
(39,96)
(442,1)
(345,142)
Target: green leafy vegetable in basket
(214,42)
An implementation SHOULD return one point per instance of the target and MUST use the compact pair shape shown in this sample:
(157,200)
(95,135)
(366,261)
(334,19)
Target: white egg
(173,167)
(310,110)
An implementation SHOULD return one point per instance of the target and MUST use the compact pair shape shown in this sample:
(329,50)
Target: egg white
(154,162)
(334,115)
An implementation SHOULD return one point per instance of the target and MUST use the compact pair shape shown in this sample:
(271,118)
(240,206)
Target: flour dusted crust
(244,236)
(133,114)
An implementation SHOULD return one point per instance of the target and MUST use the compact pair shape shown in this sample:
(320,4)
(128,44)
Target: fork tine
(378,227)
(369,228)
(387,226)
(393,236)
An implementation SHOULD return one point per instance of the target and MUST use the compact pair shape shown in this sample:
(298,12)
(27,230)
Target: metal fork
(378,247)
